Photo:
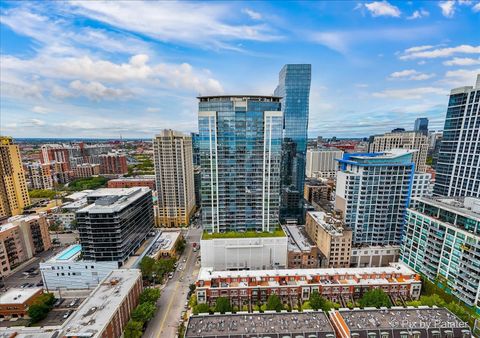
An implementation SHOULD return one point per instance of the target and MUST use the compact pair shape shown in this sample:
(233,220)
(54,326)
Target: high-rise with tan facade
(174,177)
(13,186)
(410,140)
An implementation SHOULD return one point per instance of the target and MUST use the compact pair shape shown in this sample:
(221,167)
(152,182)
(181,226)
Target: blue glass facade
(421,124)
(294,88)
(240,142)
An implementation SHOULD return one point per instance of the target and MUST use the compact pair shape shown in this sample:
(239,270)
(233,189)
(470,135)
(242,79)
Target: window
(384,335)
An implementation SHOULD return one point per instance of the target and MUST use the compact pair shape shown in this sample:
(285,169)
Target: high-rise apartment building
(373,193)
(421,125)
(40,176)
(113,164)
(294,89)
(321,162)
(458,165)
(442,242)
(115,223)
(240,155)
(196,149)
(13,186)
(174,177)
(410,140)
(86,170)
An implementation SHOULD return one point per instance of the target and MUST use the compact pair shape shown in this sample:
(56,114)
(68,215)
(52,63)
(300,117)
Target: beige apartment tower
(13,186)
(410,140)
(174,178)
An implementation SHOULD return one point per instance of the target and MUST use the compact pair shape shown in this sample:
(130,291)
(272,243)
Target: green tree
(147,266)
(144,312)
(201,308)
(433,300)
(149,295)
(222,305)
(306,306)
(37,312)
(274,303)
(375,298)
(133,329)
(317,302)
(459,311)
(180,246)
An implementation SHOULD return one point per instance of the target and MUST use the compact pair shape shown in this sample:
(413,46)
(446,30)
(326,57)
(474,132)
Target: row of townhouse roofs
(396,322)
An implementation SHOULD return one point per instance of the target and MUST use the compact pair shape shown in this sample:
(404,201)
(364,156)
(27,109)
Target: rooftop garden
(245,234)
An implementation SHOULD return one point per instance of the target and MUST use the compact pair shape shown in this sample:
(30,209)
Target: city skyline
(91,70)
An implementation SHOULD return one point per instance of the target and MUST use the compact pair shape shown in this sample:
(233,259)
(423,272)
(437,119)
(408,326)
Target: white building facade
(68,271)
(244,253)
(321,162)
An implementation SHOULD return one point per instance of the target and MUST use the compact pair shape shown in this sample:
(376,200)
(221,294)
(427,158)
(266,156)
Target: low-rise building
(331,236)
(246,325)
(374,256)
(67,270)
(15,302)
(398,322)
(166,245)
(302,252)
(130,182)
(317,190)
(107,310)
(242,251)
(295,286)
(442,242)
(20,239)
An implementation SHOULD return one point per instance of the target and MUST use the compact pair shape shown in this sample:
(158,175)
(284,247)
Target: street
(172,301)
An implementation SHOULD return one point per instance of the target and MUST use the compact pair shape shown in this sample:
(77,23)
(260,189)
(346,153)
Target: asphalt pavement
(173,298)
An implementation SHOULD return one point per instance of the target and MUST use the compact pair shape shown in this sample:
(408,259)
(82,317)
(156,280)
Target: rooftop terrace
(251,324)
(246,234)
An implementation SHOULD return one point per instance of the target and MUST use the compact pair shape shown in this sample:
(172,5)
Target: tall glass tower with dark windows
(240,140)
(294,88)
(458,165)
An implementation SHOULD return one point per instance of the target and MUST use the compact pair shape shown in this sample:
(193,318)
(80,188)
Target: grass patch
(246,234)
(87,183)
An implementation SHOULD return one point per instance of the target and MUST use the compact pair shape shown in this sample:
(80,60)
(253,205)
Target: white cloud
(137,69)
(153,110)
(476,7)
(97,91)
(462,62)
(252,14)
(40,110)
(411,74)
(383,8)
(183,22)
(429,53)
(461,77)
(334,40)
(448,8)
(422,13)
(403,73)
(409,93)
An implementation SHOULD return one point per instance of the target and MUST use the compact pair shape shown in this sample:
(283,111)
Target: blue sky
(98,69)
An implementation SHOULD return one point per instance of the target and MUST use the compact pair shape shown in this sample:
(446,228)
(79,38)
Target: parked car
(40,283)
(67,314)
(24,285)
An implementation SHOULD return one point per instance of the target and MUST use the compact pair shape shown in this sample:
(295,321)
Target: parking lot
(29,274)
(62,310)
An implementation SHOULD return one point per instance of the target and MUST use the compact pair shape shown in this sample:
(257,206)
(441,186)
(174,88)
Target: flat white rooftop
(297,239)
(334,226)
(79,195)
(165,242)
(17,295)
(395,268)
(96,311)
(114,199)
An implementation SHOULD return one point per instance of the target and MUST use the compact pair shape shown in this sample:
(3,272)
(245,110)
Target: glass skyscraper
(294,88)
(240,139)
(458,164)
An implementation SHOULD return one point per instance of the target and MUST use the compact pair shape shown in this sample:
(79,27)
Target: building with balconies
(250,287)
(442,242)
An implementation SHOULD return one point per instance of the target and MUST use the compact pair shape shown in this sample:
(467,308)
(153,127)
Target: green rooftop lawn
(246,234)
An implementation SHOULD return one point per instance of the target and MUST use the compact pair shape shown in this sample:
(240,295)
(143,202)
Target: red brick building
(113,164)
(15,302)
(132,182)
(107,310)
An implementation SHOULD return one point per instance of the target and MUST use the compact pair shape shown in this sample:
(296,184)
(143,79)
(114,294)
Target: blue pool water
(69,252)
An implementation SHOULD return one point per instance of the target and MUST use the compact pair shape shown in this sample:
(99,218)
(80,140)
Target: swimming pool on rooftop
(69,252)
